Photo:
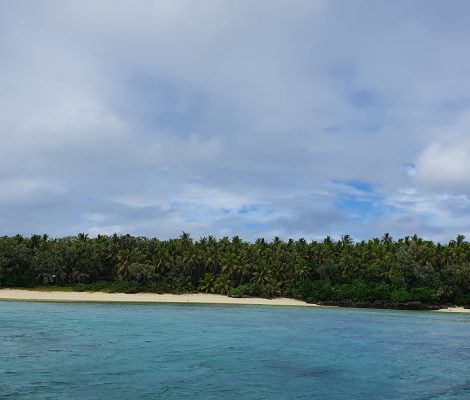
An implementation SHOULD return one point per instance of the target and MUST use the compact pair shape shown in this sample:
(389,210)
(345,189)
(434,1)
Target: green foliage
(329,270)
(268,290)
(374,273)
(138,272)
(381,292)
(242,291)
(222,285)
(317,290)
(410,269)
(206,284)
(463,300)
(357,290)
(15,262)
(425,295)
(400,296)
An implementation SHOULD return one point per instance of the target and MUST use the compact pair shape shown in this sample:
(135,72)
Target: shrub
(268,290)
(242,291)
(462,299)
(400,296)
(424,294)
(382,292)
(358,290)
(317,290)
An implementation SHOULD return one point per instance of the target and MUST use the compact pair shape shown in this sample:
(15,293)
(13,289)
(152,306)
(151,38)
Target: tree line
(379,270)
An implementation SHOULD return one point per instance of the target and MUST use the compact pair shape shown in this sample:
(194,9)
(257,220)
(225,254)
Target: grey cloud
(313,223)
(125,116)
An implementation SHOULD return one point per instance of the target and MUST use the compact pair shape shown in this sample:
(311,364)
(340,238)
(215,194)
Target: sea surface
(166,351)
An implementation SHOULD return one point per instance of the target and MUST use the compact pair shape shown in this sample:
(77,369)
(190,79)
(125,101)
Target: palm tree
(82,237)
(261,273)
(222,285)
(206,284)
(346,240)
(387,239)
(124,260)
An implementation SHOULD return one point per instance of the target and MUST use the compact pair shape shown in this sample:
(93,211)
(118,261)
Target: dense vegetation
(379,271)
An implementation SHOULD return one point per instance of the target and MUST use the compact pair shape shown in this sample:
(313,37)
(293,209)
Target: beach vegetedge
(384,273)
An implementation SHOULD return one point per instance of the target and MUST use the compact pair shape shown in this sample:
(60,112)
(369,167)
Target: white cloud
(448,165)
(131,116)
(446,161)
(24,190)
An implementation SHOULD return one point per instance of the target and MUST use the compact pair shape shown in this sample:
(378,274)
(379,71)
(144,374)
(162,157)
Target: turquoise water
(131,351)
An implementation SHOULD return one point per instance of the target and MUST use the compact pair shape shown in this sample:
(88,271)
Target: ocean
(169,351)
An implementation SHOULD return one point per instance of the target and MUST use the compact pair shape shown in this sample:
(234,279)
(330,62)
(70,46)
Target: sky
(257,118)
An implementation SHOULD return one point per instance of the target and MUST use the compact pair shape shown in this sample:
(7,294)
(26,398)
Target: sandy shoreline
(197,298)
(454,310)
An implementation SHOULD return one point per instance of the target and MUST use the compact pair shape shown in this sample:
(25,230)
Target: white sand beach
(198,298)
(454,310)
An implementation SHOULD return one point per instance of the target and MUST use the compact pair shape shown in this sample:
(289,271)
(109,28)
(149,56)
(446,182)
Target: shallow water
(134,351)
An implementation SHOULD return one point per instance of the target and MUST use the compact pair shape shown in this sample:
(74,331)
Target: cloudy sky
(249,117)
